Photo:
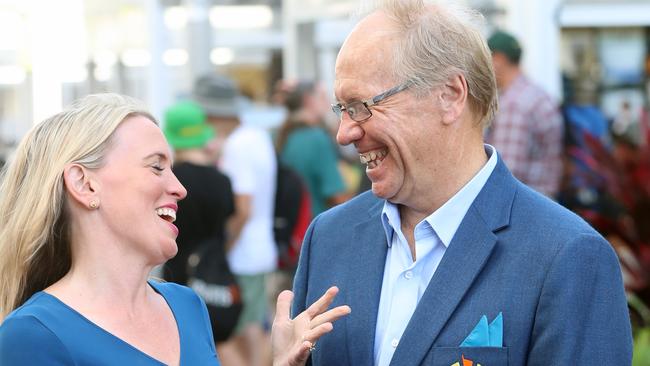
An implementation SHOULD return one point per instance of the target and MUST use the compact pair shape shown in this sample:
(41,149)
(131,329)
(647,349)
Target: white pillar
(55,45)
(199,38)
(326,63)
(158,84)
(535,24)
(306,51)
(290,49)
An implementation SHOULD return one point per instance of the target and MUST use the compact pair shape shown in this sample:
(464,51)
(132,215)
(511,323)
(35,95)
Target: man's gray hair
(437,40)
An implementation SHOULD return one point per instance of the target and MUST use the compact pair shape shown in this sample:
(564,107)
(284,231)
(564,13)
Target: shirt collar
(390,220)
(446,219)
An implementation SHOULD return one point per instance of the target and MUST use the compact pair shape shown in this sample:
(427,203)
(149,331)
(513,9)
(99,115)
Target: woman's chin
(168,252)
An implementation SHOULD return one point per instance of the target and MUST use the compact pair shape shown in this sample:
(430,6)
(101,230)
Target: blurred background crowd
(243,90)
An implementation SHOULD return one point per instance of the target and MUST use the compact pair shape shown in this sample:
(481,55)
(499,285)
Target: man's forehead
(360,69)
(365,55)
(371,32)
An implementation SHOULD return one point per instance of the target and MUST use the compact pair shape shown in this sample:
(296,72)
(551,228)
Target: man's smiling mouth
(373,158)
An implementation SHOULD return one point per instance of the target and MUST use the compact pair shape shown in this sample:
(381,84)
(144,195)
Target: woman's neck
(103,274)
(101,287)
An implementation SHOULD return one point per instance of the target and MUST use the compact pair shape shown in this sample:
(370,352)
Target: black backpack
(210,277)
(292,215)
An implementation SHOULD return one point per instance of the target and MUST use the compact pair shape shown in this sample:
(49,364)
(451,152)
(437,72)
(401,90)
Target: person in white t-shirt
(248,158)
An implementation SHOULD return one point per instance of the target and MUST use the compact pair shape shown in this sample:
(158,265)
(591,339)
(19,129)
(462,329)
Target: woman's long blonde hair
(34,225)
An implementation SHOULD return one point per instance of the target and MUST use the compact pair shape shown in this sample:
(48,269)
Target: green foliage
(641,355)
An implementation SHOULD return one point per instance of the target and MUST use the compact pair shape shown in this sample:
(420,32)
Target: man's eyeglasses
(359,111)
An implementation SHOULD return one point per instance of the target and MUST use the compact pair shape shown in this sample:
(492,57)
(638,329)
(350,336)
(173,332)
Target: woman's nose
(177,188)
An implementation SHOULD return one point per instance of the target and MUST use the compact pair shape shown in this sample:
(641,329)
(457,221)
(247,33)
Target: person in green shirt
(305,145)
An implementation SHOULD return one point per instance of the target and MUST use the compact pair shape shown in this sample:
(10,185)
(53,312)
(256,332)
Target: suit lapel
(464,259)
(365,278)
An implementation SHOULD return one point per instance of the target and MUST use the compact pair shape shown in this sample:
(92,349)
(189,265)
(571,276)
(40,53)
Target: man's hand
(294,339)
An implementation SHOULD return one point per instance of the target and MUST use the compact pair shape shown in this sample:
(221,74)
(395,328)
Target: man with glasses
(449,260)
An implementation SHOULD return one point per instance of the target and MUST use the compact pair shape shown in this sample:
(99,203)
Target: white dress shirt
(406,280)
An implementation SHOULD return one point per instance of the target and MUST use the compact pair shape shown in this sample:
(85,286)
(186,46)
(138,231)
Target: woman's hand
(294,339)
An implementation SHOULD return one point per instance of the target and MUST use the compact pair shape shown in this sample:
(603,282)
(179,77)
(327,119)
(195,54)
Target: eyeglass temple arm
(387,94)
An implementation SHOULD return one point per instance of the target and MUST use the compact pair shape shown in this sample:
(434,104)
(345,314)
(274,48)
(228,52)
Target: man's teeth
(371,156)
(164,211)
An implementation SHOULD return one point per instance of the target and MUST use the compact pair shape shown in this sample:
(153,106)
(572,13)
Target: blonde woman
(87,206)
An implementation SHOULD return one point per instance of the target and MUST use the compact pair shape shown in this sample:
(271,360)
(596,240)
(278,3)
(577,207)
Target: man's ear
(453,98)
(80,186)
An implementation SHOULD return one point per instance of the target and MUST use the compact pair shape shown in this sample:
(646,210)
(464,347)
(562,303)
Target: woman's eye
(158,168)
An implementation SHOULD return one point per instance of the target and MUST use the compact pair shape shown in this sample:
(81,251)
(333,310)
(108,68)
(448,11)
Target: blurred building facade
(54,52)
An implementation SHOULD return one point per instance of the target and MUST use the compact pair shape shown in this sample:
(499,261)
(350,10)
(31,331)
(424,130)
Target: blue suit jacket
(556,281)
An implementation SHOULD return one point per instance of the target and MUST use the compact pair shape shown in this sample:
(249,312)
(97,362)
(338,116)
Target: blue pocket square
(484,335)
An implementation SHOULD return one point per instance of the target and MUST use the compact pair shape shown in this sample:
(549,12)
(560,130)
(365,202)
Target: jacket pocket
(484,356)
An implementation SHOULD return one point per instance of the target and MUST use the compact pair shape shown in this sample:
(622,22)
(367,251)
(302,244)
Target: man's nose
(349,131)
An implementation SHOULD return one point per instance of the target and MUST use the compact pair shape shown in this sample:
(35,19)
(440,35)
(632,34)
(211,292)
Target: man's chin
(382,191)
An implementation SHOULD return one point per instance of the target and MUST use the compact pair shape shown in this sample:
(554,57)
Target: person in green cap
(209,201)
(528,128)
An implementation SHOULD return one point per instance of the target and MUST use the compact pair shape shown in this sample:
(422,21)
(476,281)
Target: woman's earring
(93,204)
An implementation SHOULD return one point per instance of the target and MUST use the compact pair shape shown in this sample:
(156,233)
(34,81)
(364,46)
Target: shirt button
(394,343)
(408,275)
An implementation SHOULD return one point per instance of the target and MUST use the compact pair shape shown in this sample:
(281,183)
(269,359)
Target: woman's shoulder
(26,330)
(21,328)
(41,306)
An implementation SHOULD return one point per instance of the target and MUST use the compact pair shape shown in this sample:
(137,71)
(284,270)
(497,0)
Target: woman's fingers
(331,315)
(322,303)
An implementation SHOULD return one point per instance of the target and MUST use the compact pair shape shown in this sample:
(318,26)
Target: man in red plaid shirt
(528,128)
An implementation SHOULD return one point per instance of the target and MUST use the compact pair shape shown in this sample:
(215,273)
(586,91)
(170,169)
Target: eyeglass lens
(357,111)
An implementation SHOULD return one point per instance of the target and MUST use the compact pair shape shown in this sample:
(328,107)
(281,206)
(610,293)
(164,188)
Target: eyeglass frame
(339,108)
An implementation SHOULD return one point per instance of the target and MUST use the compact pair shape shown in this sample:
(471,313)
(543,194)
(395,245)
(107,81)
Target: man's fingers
(314,334)
(283,306)
(331,315)
(322,303)
(305,350)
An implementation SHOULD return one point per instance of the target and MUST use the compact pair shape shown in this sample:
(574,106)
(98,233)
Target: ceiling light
(222,56)
(244,16)
(136,58)
(175,57)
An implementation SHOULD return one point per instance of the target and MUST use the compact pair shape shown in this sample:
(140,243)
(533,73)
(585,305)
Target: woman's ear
(80,186)
(454,98)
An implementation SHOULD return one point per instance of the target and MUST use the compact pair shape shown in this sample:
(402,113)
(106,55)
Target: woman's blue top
(45,331)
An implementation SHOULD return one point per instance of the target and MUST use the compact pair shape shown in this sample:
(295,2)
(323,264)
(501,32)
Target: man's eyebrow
(349,95)
(346,100)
